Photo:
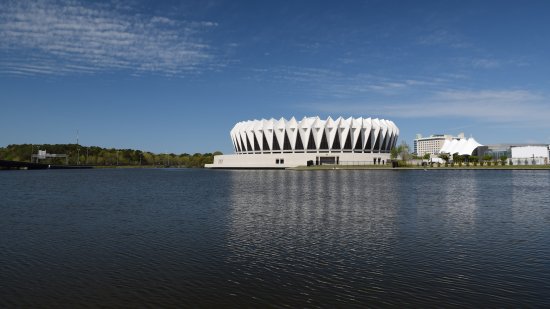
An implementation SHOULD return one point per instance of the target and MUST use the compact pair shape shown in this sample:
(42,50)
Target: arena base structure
(279,144)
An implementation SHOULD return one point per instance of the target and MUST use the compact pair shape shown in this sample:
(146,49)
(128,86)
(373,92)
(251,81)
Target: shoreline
(426,168)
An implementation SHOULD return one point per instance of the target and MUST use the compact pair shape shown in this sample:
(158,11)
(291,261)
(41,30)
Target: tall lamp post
(77,150)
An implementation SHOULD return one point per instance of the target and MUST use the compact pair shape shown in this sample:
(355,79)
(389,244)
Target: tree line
(98,156)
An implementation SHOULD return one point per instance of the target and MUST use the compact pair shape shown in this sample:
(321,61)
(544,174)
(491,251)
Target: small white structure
(436,160)
(289,143)
(529,155)
(42,155)
(463,147)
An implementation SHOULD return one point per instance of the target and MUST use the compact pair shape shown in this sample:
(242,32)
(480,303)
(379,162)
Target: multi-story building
(432,144)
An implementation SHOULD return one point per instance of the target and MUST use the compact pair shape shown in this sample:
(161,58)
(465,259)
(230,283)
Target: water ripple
(173,238)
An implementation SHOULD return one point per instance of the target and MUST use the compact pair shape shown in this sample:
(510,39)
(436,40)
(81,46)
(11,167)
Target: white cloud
(442,37)
(332,83)
(411,97)
(62,37)
(485,63)
(517,107)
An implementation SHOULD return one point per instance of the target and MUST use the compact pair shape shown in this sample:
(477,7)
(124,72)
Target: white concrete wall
(530,155)
(291,159)
(529,152)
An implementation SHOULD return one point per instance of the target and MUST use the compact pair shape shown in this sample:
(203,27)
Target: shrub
(503,159)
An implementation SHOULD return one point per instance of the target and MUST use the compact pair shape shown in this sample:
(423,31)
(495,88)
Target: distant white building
(432,144)
(530,155)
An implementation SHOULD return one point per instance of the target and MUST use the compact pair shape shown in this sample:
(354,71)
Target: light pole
(77,149)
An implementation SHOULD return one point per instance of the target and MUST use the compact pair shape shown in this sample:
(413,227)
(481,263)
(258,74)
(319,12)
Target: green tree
(458,158)
(403,151)
(93,155)
(503,159)
(487,157)
(394,153)
(444,156)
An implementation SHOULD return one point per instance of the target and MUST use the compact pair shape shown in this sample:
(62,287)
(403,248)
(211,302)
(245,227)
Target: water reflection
(186,238)
(530,196)
(377,237)
(311,232)
(459,197)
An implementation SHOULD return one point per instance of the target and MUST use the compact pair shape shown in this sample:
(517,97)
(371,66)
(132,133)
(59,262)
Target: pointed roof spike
(360,128)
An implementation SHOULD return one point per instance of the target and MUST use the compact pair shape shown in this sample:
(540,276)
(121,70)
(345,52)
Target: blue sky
(175,76)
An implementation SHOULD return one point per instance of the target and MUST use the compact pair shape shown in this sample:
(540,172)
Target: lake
(215,238)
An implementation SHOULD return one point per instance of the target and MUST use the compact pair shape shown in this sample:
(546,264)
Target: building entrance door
(328,160)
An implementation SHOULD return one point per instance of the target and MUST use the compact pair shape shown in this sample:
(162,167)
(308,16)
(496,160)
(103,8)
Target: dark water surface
(174,238)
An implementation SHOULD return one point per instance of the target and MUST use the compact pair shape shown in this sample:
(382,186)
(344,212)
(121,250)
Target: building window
(282,161)
(276,161)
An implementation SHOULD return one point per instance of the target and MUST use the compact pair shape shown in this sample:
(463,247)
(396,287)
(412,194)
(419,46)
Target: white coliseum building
(289,143)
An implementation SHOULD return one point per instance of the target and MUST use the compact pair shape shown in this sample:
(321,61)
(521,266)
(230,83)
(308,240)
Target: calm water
(177,238)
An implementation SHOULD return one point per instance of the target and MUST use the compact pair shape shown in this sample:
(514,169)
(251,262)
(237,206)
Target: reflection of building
(432,144)
(289,143)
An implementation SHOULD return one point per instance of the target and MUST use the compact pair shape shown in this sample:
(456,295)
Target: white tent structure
(463,147)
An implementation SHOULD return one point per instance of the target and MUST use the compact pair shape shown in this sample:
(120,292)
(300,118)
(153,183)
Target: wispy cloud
(513,107)
(443,37)
(324,83)
(62,37)
(485,63)
(414,96)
